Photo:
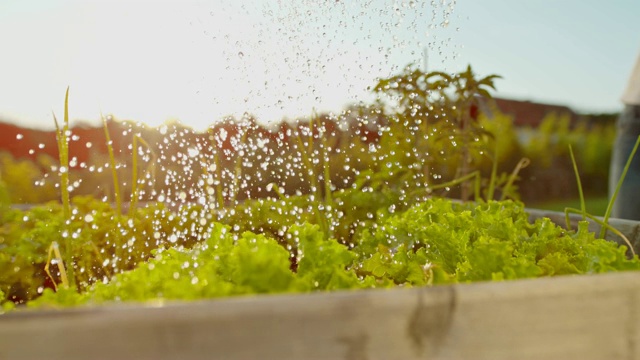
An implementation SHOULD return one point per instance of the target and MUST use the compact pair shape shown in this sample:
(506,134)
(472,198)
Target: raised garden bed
(576,317)
(385,231)
(567,317)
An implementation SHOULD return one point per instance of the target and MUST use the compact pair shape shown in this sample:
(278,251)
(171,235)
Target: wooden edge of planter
(629,228)
(585,317)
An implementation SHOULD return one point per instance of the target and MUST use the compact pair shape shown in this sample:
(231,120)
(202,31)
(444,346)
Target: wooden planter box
(572,317)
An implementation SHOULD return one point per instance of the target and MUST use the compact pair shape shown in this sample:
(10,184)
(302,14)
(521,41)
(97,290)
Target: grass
(62,138)
(596,206)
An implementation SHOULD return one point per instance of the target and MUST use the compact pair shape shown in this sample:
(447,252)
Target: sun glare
(198,63)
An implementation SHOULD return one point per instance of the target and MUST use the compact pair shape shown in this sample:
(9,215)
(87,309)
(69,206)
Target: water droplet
(193,152)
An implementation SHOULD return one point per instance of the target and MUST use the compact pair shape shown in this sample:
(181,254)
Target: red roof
(527,113)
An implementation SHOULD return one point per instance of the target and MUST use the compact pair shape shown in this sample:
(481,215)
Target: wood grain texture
(575,317)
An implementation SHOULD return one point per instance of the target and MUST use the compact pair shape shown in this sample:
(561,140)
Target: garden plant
(390,219)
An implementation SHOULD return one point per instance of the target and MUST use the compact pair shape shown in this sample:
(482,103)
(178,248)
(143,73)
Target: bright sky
(198,61)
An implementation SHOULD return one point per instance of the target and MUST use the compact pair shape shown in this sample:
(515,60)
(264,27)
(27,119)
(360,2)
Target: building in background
(627,205)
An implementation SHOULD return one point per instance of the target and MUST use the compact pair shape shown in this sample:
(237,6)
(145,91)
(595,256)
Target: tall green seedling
(116,191)
(212,176)
(65,261)
(306,155)
(494,173)
(134,176)
(112,165)
(583,207)
(135,182)
(218,180)
(619,185)
(237,171)
(604,223)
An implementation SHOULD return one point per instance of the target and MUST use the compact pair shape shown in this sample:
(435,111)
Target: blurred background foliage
(425,129)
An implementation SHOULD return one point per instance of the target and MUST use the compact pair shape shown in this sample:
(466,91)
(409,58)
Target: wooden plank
(575,317)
